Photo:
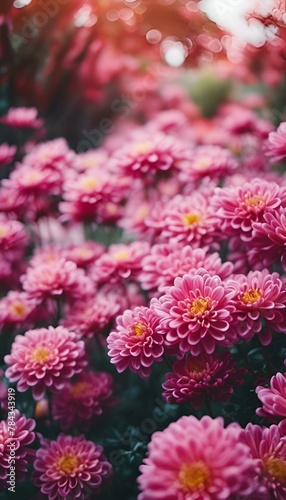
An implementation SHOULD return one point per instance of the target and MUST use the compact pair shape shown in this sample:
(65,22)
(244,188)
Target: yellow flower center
(89,183)
(199,306)
(32,177)
(18,309)
(68,464)
(121,255)
(195,476)
(276,467)
(41,354)
(251,296)
(191,218)
(254,201)
(139,329)
(142,147)
(203,163)
(3,231)
(80,389)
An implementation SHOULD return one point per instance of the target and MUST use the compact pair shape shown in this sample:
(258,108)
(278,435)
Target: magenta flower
(148,153)
(91,316)
(136,343)
(239,207)
(120,261)
(16,309)
(275,146)
(268,448)
(205,377)
(196,314)
(70,467)
(273,398)
(84,254)
(187,220)
(44,358)
(166,262)
(15,447)
(14,238)
(22,118)
(83,400)
(7,153)
(56,278)
(269,239)
(260,305)
(208,161)
(197,460)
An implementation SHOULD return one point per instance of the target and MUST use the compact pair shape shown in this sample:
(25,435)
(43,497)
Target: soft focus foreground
(143,250)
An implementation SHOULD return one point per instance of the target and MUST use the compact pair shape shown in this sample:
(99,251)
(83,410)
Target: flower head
(136,343)
(22,118)
(23,436)
(207,376)
(7,153)
(44,358)
(197,460)
(69,467)
(209,161)
(196,314)
(83,400)
(275,146)
(273,398)
(268,448)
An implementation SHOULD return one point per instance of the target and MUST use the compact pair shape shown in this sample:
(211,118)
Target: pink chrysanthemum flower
(120,261)
(147,154)
(196,314)
(90,317)
(83,400)
(7,153)
(205,377)
(91,160)
(22,118)
(166,262)
(197,460)
(83,194)
(187,220)
(70,467)
(208,161)
(14,238)
(268,244)
(273,398)
(44,358)
(275,146)
(17,308)
(268,448)
(136,343)
(33,181)
(84,254)
(241,206)
(56,278)
(15,446)
(260,305)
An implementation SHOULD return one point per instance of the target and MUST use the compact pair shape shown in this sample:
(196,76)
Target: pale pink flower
(14,238)
(84,254)
(196,314)
(275,146)
(69,468)
(273,398)
(7,153)
(197,460)
(17,308)
(188,220)
(83,400)
(205,377)
(166,262)
(15,446)
(268,448)
(135,343)
(22,118)
(57,278)
(44,358)
(241,206)
(208,161)
(120,261)
(260,305)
